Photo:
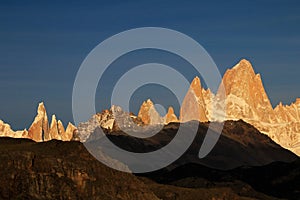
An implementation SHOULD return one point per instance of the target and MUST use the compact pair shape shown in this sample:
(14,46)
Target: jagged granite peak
(244,66)
(247,99)
(193,106)
(53,132)
(85,129)
(286,131)
(170,116)
(110,120)
(288,113)
(149,114)
(60,128)
(245,94)
(6,131)
(70,132)
(39,129)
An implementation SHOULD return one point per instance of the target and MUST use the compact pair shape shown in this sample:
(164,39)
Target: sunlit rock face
(53,132)
(6,131)
(287,131)
(39,129)
(245,95)
(149,114)
(170,116)
(111,120)
(193,106)
(246,99)
(58,132)
(69,133)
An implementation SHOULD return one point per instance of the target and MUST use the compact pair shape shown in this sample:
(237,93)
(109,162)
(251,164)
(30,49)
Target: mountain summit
(245,94)
(193,106)
(247,99)
(149,114)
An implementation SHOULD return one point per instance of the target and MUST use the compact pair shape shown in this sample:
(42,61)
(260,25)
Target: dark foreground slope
(61,170)
(240,144)
(65,170)
(279,179)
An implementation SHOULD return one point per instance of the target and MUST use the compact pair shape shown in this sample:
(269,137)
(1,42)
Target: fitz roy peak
(246,99)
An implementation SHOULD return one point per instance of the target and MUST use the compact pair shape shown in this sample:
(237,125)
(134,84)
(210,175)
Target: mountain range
(254,157)
(245,98)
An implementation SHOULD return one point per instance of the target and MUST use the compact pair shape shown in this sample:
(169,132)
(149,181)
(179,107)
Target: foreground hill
(237,168)
(240,144)
(61,170)
(65,170)
(277,179)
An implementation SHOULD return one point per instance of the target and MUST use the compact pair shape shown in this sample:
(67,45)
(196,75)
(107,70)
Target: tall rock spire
(193,106)
(53,132)
(39,129)
(149,114)
(170,116)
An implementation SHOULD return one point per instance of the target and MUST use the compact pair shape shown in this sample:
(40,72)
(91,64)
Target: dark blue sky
(43,44)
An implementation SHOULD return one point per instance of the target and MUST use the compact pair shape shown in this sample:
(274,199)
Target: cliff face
(60,170)
(65,170)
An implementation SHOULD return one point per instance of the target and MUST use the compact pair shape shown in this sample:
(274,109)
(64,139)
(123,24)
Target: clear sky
(43,44)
